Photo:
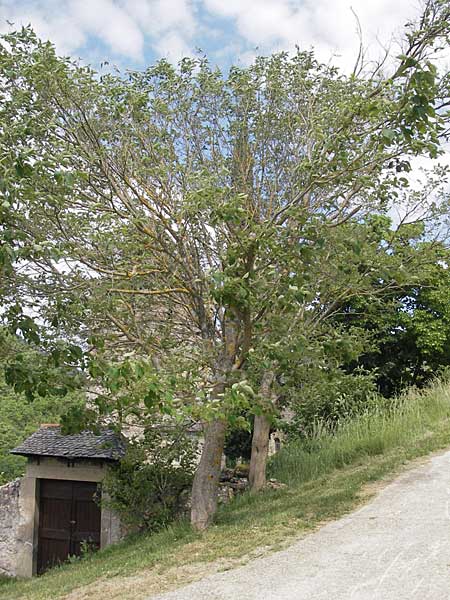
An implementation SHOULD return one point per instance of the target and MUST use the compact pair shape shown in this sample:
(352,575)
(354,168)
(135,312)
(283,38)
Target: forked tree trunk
(260,448)
(206,479)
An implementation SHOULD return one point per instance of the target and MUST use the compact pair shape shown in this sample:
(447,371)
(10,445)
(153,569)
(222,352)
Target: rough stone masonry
(9,525)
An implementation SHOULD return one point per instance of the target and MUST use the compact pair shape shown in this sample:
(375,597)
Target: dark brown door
(68,516)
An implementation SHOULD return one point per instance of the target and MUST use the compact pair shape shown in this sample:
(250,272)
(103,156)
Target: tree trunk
(206,480)
(260,447)
(260,439)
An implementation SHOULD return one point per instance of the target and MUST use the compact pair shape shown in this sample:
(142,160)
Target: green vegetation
(410,329)
(22,412)
(191,246)
(327,476)
(402,424)
(214,228)
(19,419)
(148,488)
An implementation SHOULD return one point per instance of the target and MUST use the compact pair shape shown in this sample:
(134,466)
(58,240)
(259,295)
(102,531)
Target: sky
(135,33)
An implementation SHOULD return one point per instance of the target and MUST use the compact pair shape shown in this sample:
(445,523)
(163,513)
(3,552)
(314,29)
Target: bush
(329,398)
(148,487)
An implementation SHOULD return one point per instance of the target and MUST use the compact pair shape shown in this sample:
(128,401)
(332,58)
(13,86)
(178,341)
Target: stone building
(54,511)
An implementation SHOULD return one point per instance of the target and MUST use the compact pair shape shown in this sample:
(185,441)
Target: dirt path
(397,547)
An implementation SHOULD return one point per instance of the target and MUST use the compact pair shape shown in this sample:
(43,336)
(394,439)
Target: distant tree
(409,329)
(21,415)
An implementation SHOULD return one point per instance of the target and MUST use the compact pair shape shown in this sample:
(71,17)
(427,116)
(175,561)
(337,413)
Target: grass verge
(326,478)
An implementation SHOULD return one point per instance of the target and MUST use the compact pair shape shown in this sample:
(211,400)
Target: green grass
(405,426)
(326,478)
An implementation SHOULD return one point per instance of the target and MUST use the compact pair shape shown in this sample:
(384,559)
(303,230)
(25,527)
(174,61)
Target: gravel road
(397,547)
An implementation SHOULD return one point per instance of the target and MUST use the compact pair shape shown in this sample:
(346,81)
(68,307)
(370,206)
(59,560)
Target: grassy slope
(324,482)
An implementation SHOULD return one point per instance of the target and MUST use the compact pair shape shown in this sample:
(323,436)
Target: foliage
(404,424)
(37,364)
(25,406)
(408,330)
(328,399)
(184,209)
(399,338)
(148,487)
(20,418)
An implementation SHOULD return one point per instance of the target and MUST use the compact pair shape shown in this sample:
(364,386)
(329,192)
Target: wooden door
(85,517)
(68,516)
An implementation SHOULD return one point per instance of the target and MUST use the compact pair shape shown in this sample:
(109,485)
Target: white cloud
(328,25)
(408,208)
(69,25)
(172,46)
(156,16)
(421,165)
(111,24)
(48,21)
(124,26)
(168,24)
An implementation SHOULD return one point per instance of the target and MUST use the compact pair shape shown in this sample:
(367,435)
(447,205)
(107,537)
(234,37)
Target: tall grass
(407,421)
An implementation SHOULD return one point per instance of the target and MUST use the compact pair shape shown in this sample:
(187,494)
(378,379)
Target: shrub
(148,487)
(329,398)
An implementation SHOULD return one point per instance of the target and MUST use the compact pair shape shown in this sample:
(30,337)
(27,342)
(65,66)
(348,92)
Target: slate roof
(49,441)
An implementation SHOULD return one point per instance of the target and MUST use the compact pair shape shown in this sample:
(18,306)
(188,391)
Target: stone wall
(9,524)
(19,512)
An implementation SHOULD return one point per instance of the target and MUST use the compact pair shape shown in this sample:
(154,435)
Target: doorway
(69,520)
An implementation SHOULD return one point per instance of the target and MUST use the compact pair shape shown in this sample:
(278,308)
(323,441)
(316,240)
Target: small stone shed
(53,511)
